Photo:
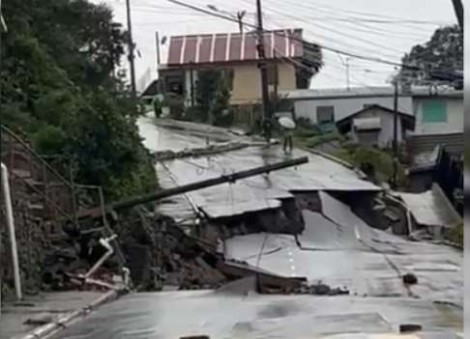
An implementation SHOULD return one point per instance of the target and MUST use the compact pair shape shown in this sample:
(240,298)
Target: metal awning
(367,124)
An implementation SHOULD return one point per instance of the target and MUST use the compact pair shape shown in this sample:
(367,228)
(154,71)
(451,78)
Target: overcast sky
(346,25)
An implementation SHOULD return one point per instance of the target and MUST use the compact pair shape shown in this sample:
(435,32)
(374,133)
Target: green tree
(59,89)
(444,52)
(212,94)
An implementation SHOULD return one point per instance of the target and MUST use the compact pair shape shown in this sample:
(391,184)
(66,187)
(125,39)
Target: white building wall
(344,107)
(455,117)
(385,137)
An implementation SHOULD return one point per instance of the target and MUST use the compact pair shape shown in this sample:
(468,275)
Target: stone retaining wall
(31,242)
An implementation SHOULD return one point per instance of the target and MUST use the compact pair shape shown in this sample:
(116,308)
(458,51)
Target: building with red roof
(291,62)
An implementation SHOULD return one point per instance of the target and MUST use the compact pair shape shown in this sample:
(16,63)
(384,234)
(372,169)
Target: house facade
(442,114)
(332,105)
(237,55)
(374,126)
(439,117)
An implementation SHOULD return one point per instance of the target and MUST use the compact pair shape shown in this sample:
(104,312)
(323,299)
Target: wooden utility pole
(240,15)
(191,86)
(458,8)
(395,134)
(267,124)
(276,76)
(131,50)
(157,40)
(96,212)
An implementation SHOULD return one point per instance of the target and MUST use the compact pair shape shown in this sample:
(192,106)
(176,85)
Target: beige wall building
(237,54)
(247,82)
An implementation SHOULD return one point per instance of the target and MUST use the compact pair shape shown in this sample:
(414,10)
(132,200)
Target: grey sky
(336,24)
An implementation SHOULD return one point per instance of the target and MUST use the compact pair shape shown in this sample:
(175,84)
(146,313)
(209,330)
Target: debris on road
(410,279)
(211,149)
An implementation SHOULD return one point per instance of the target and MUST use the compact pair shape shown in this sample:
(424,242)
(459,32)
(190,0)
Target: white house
(374,125)
(439,115)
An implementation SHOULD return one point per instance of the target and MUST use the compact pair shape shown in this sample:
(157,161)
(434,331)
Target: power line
(296,63)
(368,29)
(282,34)
(332,30)
(372,17)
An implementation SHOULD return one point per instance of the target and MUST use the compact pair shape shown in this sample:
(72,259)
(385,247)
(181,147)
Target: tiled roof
(233,47)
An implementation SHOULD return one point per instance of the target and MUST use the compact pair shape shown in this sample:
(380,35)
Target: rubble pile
(175,258)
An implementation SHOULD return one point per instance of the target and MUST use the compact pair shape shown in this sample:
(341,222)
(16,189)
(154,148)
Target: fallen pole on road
(231,178)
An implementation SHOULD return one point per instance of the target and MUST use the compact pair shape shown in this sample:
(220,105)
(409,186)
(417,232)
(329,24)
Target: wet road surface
(339,249)
(171,315)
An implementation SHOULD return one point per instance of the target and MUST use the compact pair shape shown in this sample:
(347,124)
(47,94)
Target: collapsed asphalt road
(336,247)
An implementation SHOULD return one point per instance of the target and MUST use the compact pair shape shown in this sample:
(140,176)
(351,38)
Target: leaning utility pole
(395,134)
(458,8)
(264,74)
(163,194)
(130,41)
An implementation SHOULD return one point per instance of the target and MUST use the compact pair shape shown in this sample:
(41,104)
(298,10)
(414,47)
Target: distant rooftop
(383,91)
(233,47)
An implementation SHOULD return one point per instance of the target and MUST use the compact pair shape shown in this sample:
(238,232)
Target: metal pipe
(105,242)
(47,331)
(11,230)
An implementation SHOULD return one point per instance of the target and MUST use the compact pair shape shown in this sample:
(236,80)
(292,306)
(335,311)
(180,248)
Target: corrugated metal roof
(233,47)
(387,91)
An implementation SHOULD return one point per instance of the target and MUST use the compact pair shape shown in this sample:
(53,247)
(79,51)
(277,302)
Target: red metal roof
(233,47)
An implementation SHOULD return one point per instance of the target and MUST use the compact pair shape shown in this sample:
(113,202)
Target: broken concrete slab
(347,252)
(319,174)
(431,208)
(240,287)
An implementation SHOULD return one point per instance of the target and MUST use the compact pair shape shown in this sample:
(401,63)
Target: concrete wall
(385,137)
(344,107)
(455,117)
(247,83)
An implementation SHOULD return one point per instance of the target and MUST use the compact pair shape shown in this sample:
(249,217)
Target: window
(229,76)
(434,111)
(367,105)
(325,114)
(272,74)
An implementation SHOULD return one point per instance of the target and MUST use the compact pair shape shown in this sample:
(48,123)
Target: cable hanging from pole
(282,34)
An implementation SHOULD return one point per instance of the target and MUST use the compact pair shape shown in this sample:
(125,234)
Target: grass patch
(323,138)
(374,162)
(455,235)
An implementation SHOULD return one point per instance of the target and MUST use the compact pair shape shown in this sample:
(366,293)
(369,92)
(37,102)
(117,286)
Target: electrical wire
(365,16)
(357,24)
(334,31)
(282,34)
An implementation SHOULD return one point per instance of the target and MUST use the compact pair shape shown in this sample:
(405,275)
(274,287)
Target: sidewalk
(20,319)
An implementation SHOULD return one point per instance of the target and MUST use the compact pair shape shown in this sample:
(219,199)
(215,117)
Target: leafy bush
(60,91)
(225,119)
(456,235)
(381,162)
(321,139)
(302,132)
